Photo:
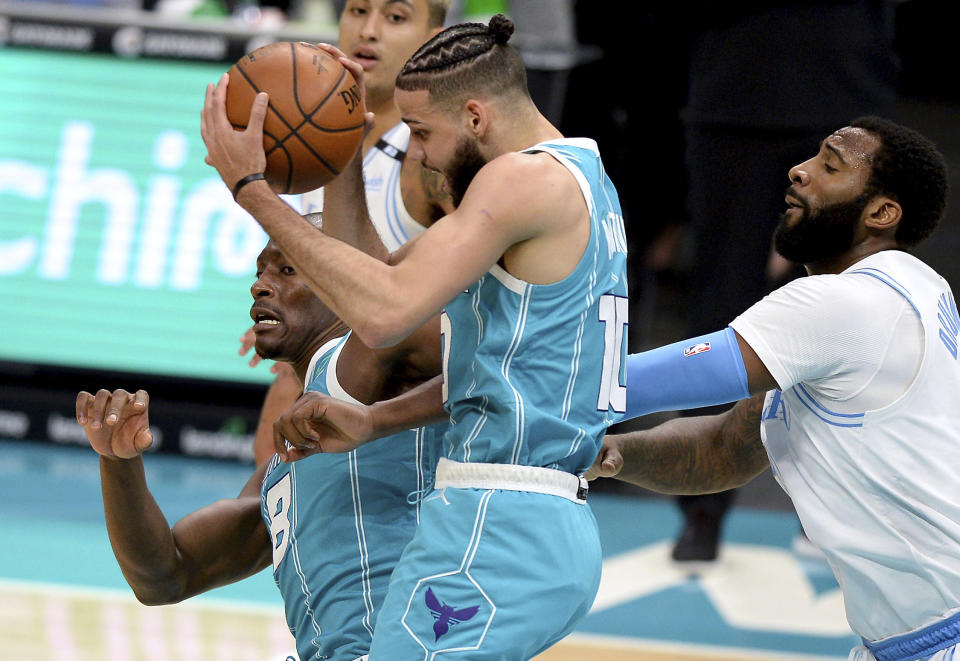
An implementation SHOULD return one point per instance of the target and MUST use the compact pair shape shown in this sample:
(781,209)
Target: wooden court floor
(62,595)
(40,622)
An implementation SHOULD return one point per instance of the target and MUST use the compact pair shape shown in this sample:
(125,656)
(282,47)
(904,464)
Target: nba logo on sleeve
(699,347)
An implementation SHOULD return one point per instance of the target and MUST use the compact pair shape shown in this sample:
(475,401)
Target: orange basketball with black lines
(314,122)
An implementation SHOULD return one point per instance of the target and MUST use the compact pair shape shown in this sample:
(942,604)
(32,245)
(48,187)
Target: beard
(467,161)
(821,234)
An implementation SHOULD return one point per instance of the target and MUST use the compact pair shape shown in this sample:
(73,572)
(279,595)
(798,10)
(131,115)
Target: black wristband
(256,176)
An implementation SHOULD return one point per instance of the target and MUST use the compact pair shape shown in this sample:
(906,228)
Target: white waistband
(511,477)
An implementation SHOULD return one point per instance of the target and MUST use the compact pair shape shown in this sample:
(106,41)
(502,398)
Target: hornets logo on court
(776,409)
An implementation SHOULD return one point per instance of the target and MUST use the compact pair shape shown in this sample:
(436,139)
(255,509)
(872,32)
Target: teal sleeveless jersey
(339,523)
(534,374)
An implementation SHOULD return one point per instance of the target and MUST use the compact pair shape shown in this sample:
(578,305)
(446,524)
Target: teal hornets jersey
(338,523)
(534,374)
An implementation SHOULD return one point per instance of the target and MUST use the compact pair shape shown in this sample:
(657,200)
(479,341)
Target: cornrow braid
(466,59)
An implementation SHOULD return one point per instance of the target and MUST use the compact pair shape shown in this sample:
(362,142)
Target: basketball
(314,121)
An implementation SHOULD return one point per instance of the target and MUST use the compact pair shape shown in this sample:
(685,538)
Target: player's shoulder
(847,294)
(538,179)
(531,163)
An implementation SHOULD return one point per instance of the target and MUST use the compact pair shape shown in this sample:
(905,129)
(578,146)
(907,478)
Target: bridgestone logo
(184,45)
(60,37)
(61,429)
(14,424)
(216,444)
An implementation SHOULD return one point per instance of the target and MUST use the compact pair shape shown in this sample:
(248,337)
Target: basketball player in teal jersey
(332,526)
(403,197)
(530,272)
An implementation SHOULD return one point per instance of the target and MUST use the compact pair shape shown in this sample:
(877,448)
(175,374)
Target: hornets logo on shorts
(445,615)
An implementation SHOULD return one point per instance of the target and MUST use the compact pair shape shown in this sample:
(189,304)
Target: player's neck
(843,261)
(523,133)
(388,116)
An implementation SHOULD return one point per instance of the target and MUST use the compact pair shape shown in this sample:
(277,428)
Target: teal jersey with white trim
(338,523)
(534,374)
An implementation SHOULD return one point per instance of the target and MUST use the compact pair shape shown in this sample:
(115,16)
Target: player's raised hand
(234,154)
(609,461)
(116,423)
(247,341)
(356,69)
(319,423)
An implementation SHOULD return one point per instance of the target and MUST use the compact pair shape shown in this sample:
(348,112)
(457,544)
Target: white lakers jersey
(875,485)
(381,176)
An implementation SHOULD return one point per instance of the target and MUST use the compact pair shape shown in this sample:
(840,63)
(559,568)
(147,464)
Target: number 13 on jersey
(614,313)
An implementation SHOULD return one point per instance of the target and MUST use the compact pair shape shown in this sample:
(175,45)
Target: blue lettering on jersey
(777,409)
(949,322)
(446,615)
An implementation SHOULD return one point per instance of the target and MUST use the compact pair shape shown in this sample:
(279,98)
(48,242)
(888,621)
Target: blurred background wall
(128,265)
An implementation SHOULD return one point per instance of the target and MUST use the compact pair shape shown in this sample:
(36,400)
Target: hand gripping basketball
(234,154)
(314,120)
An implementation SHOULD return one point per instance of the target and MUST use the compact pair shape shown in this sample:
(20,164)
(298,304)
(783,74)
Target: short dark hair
(908,168)
(437,12)
(466,59)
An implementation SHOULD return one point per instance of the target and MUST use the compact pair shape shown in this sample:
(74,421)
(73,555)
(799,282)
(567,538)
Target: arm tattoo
(702,454)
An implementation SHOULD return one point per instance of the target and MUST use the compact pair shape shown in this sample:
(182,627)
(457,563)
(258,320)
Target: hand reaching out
(319,423)
(247,341)
(609,461)
(116,423)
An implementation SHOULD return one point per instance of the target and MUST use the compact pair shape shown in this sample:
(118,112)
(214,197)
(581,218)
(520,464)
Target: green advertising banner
(119,248)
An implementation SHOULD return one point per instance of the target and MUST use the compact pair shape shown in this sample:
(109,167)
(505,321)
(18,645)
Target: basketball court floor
(62,596)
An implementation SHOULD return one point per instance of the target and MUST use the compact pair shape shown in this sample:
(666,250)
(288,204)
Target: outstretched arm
(319,423)
(695,455)
(216,545)
(712,369)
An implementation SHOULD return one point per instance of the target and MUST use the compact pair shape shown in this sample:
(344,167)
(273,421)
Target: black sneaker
(699,541)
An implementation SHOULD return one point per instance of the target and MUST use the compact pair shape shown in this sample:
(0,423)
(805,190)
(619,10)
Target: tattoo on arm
(702,454)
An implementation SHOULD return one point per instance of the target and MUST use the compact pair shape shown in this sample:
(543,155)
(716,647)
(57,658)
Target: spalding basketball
(314,121)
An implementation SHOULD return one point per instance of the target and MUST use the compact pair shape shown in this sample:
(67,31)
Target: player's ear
(475,117)
(883,213)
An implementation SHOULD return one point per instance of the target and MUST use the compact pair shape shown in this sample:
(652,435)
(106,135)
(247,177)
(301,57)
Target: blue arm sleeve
(701,371)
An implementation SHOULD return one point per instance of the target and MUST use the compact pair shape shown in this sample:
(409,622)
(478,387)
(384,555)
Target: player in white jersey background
(403,197)
(861,417)
(344,520)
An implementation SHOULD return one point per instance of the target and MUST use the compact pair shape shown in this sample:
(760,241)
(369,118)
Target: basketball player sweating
(531,283)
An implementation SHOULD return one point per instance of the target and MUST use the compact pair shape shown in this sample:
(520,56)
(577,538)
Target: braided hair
(466,59)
